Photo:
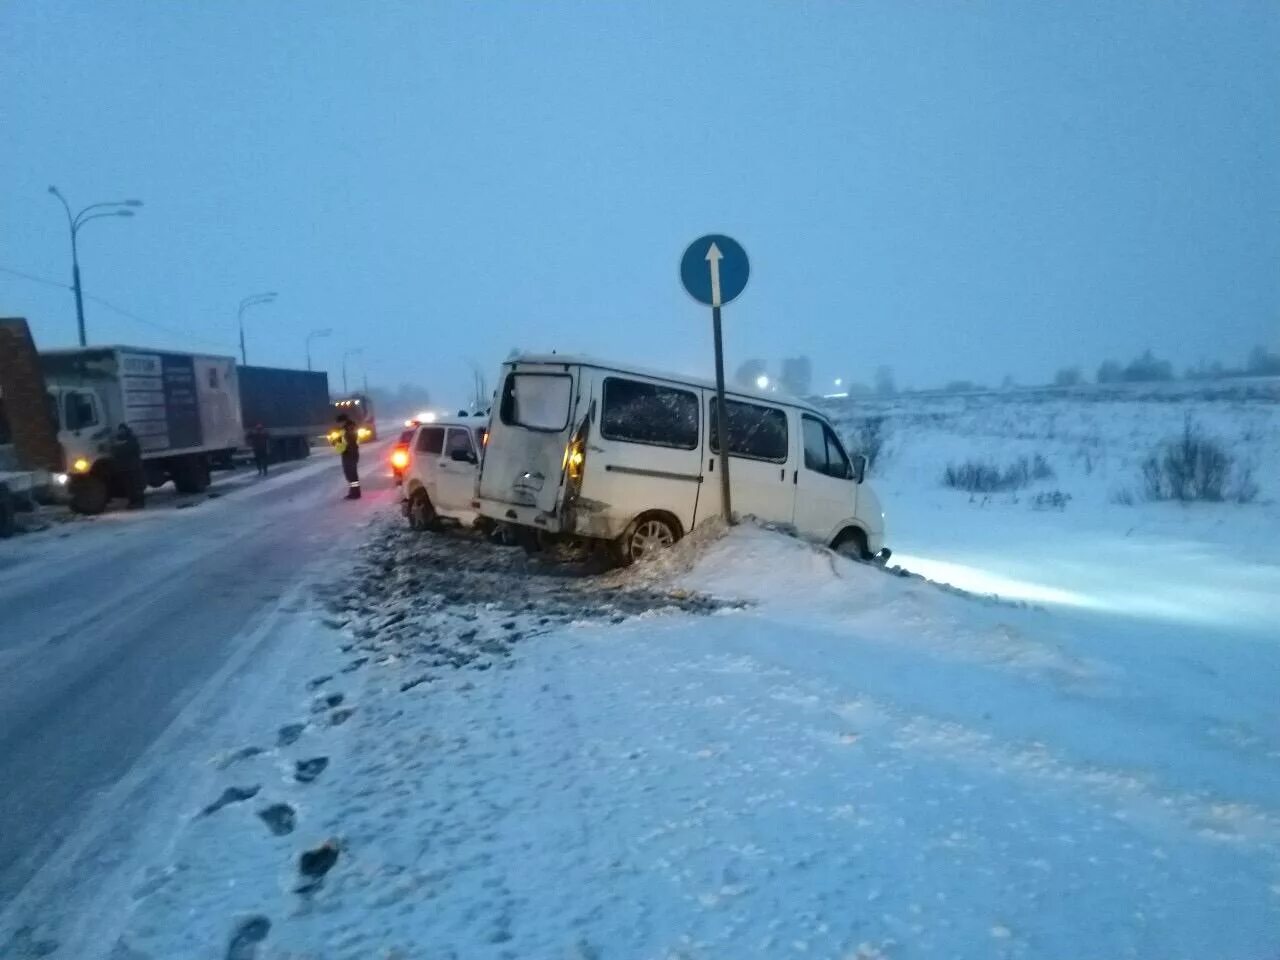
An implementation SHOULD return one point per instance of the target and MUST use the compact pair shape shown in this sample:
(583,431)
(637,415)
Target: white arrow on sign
(714,256)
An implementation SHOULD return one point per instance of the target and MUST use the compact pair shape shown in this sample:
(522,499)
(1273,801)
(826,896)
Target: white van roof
(579,360)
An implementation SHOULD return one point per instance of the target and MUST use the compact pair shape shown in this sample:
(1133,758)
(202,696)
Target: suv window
(538,401)
(431,439)
(80,412)
(639,412)
(822,450)
(459,439)
(755,431)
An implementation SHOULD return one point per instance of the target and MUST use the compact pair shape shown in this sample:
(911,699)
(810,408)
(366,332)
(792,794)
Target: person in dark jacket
(128,456)
(348,445)
(260,443)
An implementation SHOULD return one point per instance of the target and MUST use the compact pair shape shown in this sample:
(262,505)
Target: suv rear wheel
(422,515)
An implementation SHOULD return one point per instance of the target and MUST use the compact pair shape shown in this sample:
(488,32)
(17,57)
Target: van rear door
(524,458)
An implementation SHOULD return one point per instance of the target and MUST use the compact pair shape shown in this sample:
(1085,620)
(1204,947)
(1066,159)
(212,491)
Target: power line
(111,306)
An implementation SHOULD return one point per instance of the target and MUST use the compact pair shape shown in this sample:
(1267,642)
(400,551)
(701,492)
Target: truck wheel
(88,495)
(8,525)
(422,515)
(190,474)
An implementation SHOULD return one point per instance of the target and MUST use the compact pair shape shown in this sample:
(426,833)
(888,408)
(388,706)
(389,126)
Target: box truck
(184,409)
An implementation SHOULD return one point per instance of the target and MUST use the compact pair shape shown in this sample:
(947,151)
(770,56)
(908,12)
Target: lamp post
(95,211)
(316,335)
(245,304)
(353,352)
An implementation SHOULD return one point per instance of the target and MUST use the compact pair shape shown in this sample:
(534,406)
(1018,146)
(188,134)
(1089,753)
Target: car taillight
(399,458)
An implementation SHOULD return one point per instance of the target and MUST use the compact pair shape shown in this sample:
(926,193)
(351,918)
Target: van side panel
(643,454)
(762,485)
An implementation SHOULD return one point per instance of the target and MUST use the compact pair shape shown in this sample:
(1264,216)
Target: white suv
(440,477)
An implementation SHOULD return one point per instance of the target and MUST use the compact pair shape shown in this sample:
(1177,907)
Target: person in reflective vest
(348,445)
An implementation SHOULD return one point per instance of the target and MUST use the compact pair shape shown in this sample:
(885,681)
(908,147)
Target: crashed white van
(583,448)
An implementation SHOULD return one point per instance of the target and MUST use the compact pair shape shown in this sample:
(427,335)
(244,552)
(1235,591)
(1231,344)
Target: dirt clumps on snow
(452,600)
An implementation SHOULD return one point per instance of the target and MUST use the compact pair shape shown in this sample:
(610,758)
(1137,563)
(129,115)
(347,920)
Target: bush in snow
(1196,466)
(974,476)
(1053,500)
(868,437)
(1068,377)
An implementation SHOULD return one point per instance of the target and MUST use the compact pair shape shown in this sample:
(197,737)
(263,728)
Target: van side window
(822,450)
(431,439)
(80,412)
(539,401)
(639,412)
(755,431)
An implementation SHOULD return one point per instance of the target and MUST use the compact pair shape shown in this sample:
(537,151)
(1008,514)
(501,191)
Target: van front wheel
(852,544)
(646,535)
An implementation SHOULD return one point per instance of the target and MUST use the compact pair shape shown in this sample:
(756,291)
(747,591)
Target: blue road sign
(714,269)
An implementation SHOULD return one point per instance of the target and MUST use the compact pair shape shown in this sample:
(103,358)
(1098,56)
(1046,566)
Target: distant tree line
(795,375)
(1148,368)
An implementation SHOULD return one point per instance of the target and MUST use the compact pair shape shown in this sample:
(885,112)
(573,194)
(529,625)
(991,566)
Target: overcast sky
(956,190)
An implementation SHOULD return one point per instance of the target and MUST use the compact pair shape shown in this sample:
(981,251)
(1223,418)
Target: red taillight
(400,458)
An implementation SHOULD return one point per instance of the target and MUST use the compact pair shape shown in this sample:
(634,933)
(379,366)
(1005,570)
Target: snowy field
(1086,537)
(753,748)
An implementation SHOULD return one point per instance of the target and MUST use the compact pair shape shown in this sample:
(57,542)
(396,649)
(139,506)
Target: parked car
(587,449)
(440,474)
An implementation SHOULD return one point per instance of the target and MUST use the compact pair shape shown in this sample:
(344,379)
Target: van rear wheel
(646,535)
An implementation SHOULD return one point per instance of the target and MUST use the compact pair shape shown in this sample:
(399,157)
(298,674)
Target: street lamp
(115,208)
(353,352)
(316,335)
(245,304)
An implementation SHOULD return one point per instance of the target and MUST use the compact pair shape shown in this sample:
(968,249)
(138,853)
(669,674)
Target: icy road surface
(481,759)
(115,631)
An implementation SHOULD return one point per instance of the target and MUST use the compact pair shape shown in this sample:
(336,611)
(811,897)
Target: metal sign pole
(722,418)
(714,270)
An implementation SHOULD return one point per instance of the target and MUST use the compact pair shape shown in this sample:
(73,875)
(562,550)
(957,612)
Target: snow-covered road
(111,630)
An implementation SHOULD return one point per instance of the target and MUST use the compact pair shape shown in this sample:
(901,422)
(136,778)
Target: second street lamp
(245,304)
(353,352)
(95,211)
(316,335)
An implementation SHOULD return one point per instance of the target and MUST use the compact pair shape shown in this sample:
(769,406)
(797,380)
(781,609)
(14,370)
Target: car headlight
(363,433)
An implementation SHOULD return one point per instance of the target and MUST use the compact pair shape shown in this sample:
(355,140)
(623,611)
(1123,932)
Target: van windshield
(538,401)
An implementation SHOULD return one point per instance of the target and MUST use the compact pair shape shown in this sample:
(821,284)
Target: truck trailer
(292,405)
